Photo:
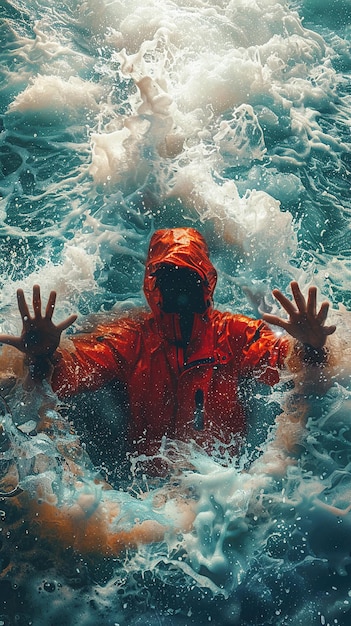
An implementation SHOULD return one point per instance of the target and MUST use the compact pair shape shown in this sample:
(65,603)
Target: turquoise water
(118,118)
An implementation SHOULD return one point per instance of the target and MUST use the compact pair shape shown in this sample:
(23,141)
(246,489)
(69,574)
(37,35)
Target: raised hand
(40,336)
(304,322)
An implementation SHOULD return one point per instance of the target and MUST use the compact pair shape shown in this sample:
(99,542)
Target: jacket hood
(186,248)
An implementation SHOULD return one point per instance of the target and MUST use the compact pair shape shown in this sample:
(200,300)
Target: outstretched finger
(23,306)
(285,302)
(312,302)
(298,297)
(36,301)
(66,323)
(323,313)
(50,307)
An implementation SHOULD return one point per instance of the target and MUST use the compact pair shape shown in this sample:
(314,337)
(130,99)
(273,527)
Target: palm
(304,323)
(40,336)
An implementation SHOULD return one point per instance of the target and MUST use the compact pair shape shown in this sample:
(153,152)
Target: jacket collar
(201,346)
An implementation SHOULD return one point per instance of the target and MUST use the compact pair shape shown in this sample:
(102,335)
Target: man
(183,361)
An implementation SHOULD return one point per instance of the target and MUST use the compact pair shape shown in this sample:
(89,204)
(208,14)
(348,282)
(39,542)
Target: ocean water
(117,118)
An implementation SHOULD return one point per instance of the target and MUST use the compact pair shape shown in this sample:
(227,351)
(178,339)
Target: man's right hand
(39,337)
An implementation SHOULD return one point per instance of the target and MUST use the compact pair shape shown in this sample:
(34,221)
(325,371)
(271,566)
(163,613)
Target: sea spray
(118,118)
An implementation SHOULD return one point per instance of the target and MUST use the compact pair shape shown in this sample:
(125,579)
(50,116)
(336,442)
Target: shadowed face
(181,289)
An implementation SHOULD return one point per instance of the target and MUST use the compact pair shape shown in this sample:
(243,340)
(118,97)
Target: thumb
(66,323)
(329,330)
(10,340)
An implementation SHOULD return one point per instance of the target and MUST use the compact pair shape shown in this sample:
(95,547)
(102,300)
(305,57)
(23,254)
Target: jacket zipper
(180,352)
(183,365)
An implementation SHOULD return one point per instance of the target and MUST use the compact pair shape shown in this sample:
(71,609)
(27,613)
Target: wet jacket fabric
(187,393)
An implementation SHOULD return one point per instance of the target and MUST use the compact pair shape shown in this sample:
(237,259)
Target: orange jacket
(187,393)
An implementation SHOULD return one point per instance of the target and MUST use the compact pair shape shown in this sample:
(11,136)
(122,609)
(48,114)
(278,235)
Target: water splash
(118,118)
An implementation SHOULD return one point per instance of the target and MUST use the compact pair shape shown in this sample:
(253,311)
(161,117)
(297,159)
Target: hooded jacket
(184,392)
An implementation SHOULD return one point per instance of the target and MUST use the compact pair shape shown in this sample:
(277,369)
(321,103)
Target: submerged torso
(186,392)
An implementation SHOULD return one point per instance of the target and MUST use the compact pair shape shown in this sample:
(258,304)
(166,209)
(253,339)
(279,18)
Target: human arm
(310,360)
(40,337)
(305,323)
(84,362)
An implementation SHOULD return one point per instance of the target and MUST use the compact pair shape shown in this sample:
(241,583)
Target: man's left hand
(304,323)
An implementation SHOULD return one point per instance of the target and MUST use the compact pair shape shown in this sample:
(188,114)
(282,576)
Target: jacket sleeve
(89,361)
(263,352)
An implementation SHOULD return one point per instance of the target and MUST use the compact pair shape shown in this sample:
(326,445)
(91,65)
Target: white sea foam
(54,95)
(120,117)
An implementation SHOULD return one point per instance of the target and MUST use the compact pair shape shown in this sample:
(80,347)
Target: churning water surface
(121,117)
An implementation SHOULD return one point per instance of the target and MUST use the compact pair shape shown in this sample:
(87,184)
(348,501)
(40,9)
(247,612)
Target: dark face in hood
(183,248)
